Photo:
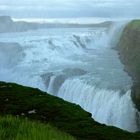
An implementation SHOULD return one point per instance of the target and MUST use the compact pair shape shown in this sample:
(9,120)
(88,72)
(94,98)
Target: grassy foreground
(70,118)
(15,128)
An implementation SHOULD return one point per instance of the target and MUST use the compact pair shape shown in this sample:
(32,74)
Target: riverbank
(70,118)
(129,50)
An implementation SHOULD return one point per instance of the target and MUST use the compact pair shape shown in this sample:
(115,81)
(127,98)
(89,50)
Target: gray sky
(70,8)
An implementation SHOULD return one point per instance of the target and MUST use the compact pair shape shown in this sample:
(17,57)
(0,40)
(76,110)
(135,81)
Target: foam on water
(110,107)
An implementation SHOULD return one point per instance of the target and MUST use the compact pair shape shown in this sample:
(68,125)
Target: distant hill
(8,25)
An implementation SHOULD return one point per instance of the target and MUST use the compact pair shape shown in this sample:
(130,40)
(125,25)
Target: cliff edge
(129,50)
(70,118)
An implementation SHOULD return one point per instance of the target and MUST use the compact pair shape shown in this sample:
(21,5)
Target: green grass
(135,25)
(15,128)
(67,117)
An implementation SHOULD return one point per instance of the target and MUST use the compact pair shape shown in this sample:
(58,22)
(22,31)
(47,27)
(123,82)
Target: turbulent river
(76,64)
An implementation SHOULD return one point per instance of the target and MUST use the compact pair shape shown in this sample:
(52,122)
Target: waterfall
(76,64)
(50,87)
(109,107)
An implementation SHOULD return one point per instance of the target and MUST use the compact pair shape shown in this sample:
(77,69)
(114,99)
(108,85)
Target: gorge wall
(129,50)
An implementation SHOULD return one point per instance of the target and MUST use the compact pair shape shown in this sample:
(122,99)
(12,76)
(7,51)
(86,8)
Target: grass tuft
(16,128)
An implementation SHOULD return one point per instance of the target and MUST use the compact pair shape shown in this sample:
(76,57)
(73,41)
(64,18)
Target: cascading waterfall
(107,106)
(50,87)
(76,64)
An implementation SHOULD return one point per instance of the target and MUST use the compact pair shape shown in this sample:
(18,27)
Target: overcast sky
(70,8)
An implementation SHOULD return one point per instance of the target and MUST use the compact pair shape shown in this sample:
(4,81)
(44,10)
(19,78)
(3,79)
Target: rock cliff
(129,50)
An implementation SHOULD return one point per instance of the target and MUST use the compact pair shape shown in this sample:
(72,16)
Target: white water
(107,106)
(77,64)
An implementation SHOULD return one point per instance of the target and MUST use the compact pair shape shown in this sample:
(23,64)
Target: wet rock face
(8,25)
(5,19)
(10,54)
(74,72)
(58,81)
(46,78)
(129,50)
(136,95)
(78,42)
(53,82)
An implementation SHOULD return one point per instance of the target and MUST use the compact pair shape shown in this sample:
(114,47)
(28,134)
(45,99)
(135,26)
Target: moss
(134,25)
(70,118)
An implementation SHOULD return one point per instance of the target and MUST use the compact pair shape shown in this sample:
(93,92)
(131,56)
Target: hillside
(15,128)
(39,106)
(129,49)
